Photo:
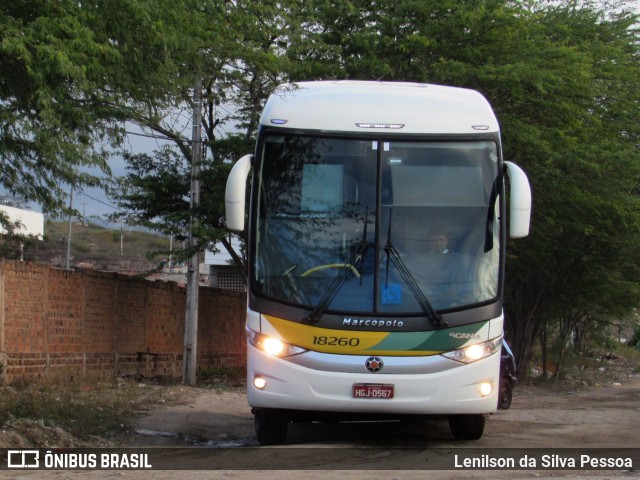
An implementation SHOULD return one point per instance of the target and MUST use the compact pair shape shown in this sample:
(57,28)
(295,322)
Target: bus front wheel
(271,426)
(467,427)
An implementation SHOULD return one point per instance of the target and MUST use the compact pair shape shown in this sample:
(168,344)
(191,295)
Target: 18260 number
(337,341)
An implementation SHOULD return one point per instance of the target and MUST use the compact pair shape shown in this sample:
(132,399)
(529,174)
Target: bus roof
(388,107)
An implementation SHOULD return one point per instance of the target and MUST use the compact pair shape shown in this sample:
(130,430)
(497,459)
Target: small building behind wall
(27,223)
(222,273)
(31,223)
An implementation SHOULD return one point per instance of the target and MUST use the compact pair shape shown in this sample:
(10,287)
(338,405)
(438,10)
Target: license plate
(372,390)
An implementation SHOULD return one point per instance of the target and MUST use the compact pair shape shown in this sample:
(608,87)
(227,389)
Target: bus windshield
(375,226)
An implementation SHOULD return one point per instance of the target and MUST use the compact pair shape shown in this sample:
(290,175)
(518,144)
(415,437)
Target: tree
(564,81)
(48,60)
(580,149)
(72,74)
(238,71)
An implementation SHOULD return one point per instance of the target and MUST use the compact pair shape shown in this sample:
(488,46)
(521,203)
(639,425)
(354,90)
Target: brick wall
(64,325)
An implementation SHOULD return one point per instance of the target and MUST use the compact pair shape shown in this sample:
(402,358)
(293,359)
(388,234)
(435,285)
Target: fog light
(259,382)
(485,389)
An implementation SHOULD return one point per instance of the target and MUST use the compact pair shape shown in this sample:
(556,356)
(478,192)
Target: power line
(100,201)
(149,135)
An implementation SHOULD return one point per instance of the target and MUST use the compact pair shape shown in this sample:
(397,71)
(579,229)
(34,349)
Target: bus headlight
(475,352)
(271,345)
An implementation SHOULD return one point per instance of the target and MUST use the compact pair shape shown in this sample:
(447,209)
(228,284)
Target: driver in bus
(439,242)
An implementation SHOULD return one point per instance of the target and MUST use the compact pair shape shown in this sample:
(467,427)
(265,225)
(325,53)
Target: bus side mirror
(520,201)
(235,194)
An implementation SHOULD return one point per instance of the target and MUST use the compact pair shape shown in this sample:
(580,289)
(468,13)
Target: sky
(93,201)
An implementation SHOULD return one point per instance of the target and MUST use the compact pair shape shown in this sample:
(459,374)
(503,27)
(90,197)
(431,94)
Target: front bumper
(432,385)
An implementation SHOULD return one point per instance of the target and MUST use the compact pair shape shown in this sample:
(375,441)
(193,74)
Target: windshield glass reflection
(327,207)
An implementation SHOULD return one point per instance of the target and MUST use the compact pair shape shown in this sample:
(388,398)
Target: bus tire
(467,427)
(505,394)
(271,426)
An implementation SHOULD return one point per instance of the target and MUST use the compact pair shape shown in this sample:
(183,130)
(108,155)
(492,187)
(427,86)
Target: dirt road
(597,417)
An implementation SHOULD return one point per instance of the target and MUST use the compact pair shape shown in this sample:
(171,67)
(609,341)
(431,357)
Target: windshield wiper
(342,276)
(407,276)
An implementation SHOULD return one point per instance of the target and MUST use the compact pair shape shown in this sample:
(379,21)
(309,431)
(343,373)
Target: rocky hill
(101,248)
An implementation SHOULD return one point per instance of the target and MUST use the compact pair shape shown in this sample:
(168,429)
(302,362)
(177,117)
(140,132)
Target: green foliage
(635,339)
(72,73)
(223,375)
(47,58)
(576,141)
(238,70)
(89,409)
(156,192)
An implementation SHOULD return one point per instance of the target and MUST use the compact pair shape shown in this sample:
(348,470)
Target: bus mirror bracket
(520,201)
(235,194)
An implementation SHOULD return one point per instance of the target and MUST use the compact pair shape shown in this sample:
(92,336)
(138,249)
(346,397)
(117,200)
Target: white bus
(376,254)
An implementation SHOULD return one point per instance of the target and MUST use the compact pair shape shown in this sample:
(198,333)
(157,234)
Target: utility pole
(69,235)
(193,269)
(170,253)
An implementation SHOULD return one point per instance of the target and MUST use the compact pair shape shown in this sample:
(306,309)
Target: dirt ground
(597,417)
(604,415)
